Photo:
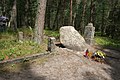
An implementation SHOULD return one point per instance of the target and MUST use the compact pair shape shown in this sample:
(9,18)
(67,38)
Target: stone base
(90,41)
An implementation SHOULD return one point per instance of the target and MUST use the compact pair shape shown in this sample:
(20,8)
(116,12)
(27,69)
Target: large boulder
(71,39)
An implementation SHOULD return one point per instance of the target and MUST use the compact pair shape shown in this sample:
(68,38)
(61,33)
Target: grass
(11,48)
(52,33)
(107,42)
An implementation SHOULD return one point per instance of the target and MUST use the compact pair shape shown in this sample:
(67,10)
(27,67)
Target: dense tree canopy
(104,14)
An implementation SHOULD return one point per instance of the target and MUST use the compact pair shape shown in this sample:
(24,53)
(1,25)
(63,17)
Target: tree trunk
(113,21)
(71,12)
(48,15)
(13,19)
(15,15)
(102,25)
(40,19)
(56,16)
(76,15)
(63,12)
(92,8)
(26,13)
(91,11)
(82,25)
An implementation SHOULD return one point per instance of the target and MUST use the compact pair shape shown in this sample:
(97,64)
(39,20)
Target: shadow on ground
(20,71)
(70,65)
(113,60)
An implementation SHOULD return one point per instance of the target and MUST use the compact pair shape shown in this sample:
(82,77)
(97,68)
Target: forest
(37,16)
(105,14)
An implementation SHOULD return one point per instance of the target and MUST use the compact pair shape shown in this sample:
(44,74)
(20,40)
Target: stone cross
(89,34)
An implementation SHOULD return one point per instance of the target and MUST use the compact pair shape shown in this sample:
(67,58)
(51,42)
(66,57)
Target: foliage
(28,32)
(10,47)
(52,33)
(105,14)
(107,42)
(26,12)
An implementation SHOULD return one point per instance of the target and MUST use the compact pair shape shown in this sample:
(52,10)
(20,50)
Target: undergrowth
(107,42)
(11,48)
(52,33)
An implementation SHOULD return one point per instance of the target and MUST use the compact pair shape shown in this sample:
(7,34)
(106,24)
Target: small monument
(89,34)
(51,44)
(20,36)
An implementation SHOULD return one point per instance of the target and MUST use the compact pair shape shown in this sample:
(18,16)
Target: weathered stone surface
(20,36)
(51,44)
(89,34)
(71,39)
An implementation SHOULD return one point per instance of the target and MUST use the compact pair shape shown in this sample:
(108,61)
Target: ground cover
(11,47)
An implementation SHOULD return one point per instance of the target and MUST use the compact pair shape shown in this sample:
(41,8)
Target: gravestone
(20,36)
(51,44)
(89,34)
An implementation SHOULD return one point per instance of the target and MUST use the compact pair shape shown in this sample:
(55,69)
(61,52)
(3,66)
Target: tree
(92,9)
(77,15)
(114,18)
(104,14)
(71,11)
(40,19)
(13,19)
(102,25)
(48,15)
(56,16)
(82,25)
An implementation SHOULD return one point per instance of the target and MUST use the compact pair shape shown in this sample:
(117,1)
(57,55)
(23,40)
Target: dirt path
(64,64)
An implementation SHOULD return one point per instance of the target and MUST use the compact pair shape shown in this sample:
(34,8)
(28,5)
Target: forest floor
(64,64)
